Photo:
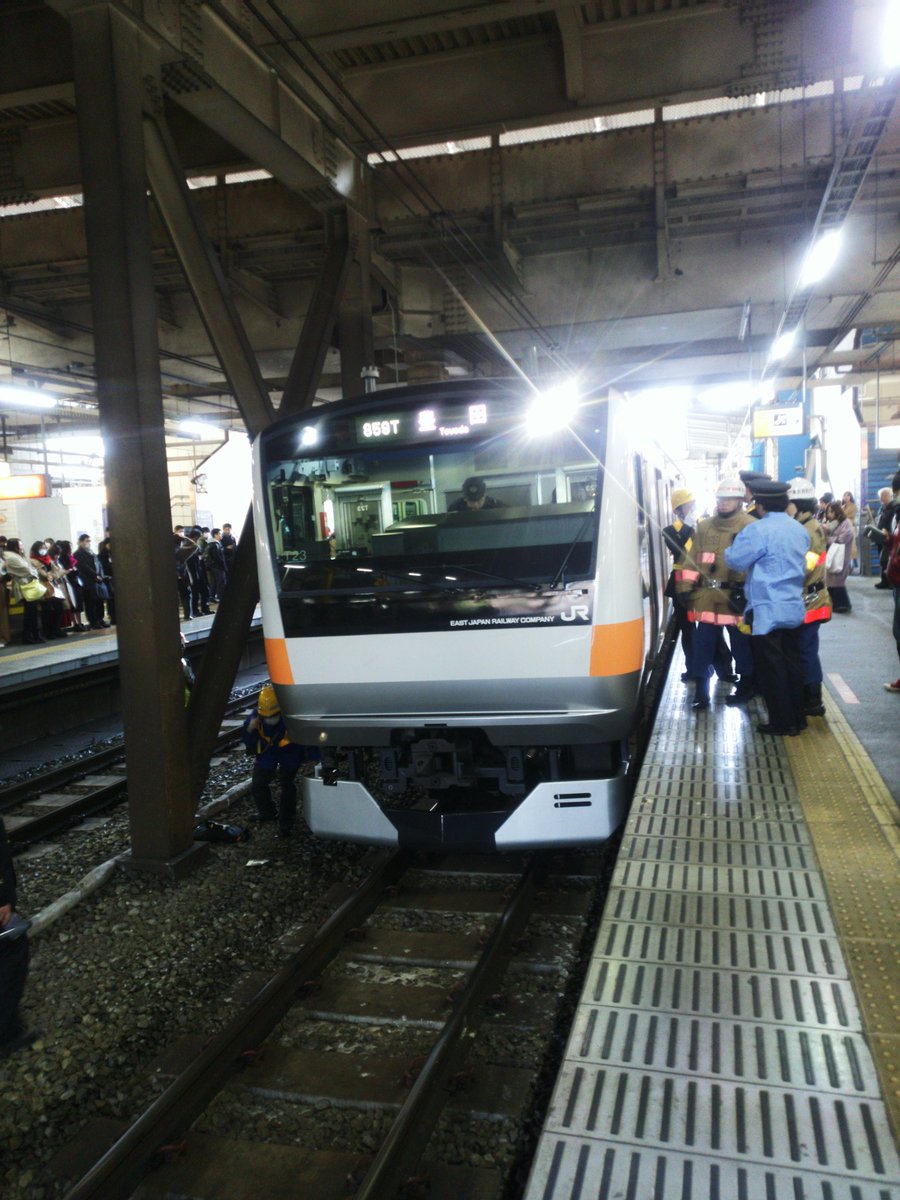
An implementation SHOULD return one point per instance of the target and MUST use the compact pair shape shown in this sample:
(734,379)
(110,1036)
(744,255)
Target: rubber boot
(812,697)
(743,692)
(701,695)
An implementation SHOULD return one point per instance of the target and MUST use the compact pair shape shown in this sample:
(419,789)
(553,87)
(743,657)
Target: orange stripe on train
(278,661)
(617,649)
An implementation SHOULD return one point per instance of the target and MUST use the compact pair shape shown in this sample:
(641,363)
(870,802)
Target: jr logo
(578,612)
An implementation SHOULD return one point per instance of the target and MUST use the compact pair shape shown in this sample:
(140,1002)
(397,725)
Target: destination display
(432,423)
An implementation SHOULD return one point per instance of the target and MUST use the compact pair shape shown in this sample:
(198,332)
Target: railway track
(69,792)
(430,958)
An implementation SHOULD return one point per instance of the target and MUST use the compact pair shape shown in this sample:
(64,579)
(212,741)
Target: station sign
(24,487)
(775,421)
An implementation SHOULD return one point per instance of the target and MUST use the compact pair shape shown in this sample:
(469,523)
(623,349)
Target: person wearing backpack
(888,538)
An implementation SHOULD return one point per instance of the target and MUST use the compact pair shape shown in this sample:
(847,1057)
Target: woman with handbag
(27,587)
(73,585)
(838,558)
(52,604)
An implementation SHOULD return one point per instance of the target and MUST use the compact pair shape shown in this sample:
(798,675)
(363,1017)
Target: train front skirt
(554,814)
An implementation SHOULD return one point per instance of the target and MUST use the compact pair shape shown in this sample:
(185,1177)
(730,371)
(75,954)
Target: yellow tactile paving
(853,821)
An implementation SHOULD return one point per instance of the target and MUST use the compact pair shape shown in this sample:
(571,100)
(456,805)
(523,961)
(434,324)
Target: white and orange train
(462,598)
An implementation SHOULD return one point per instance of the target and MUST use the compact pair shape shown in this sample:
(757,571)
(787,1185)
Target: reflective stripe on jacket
(705,571)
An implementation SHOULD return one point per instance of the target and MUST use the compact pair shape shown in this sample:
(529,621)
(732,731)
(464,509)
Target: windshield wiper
(579,535)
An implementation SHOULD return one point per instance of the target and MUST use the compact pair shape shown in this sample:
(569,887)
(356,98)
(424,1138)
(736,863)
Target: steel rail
(403,1146)
(122,1168)
(47,824)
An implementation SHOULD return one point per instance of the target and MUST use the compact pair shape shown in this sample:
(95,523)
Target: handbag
(33,589)
(834,559)
(102,590)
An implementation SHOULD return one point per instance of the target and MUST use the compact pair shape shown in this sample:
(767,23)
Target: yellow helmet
(267,705)
(681,496)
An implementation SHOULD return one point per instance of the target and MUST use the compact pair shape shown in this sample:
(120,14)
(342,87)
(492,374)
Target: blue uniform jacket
(773,553)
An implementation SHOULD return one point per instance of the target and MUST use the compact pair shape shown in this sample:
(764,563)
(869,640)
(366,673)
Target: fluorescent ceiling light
(199,429)
(783,345)
(25,397)
(309,435)
(821,257)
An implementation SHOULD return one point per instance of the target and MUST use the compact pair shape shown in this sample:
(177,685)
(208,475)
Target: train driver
(474,497)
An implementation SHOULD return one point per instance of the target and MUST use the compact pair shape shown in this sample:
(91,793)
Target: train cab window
(377,503)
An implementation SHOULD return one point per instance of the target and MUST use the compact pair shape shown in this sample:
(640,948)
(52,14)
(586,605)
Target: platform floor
(737,1034)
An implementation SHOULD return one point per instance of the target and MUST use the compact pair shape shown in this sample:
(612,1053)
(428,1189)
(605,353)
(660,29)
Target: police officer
(773,553)
(713,593)
(802,505)
(747,479)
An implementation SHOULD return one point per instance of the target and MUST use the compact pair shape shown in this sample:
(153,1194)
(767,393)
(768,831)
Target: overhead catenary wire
(460,245)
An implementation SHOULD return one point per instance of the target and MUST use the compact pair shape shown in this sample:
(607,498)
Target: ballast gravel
(141,963)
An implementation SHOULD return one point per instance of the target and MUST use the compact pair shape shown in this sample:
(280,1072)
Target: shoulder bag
(834,559)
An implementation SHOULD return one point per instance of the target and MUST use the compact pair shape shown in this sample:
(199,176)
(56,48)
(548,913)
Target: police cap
(749,477)
(473,488)
(769,489)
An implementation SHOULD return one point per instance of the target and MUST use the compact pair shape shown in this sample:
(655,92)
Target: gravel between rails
(139,964)
(142,963)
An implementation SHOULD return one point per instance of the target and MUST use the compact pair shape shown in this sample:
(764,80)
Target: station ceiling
(626,189)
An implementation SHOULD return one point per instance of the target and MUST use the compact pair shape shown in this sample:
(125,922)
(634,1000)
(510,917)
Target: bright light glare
(821,257)
(891,38)
(84,445)
(199,429)
(554,409)
(729,397)
(309,436)
(22,397)
(783,345)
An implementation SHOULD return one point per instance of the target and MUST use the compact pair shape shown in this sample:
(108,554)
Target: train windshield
(414,497)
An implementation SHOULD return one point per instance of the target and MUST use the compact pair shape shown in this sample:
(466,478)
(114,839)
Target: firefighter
(715,594)
(678,540)
(802,507)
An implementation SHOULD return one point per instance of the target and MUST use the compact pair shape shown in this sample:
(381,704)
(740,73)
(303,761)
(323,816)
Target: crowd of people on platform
(768,568)
(204,558)
(64,590)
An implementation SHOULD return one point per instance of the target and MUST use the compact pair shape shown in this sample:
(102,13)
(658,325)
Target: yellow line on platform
(853,822)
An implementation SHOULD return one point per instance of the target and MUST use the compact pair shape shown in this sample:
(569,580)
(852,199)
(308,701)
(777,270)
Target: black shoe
(741,694)
(685,676)
(701,695)
(728,679)
(886,587)
(206,612)
(792,731)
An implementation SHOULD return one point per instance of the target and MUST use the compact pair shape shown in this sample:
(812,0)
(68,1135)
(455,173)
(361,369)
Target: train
(462,593)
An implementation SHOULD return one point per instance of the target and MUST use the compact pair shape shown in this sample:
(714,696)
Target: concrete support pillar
(355,319)
(108,73)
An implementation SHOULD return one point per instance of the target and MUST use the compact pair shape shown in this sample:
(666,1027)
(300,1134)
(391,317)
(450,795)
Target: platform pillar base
(176,868)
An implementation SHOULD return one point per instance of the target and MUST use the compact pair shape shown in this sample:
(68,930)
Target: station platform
(79,701)
(737,1036)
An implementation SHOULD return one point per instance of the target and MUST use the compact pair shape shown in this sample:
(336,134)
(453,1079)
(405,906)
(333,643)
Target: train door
(361,510)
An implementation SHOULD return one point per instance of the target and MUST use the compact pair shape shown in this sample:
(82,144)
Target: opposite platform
(721,1050)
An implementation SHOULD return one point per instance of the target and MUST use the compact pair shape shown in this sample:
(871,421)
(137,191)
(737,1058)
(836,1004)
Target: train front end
(452,605)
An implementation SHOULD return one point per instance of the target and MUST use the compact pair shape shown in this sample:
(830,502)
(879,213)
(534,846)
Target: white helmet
(730,489)
(801,489)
